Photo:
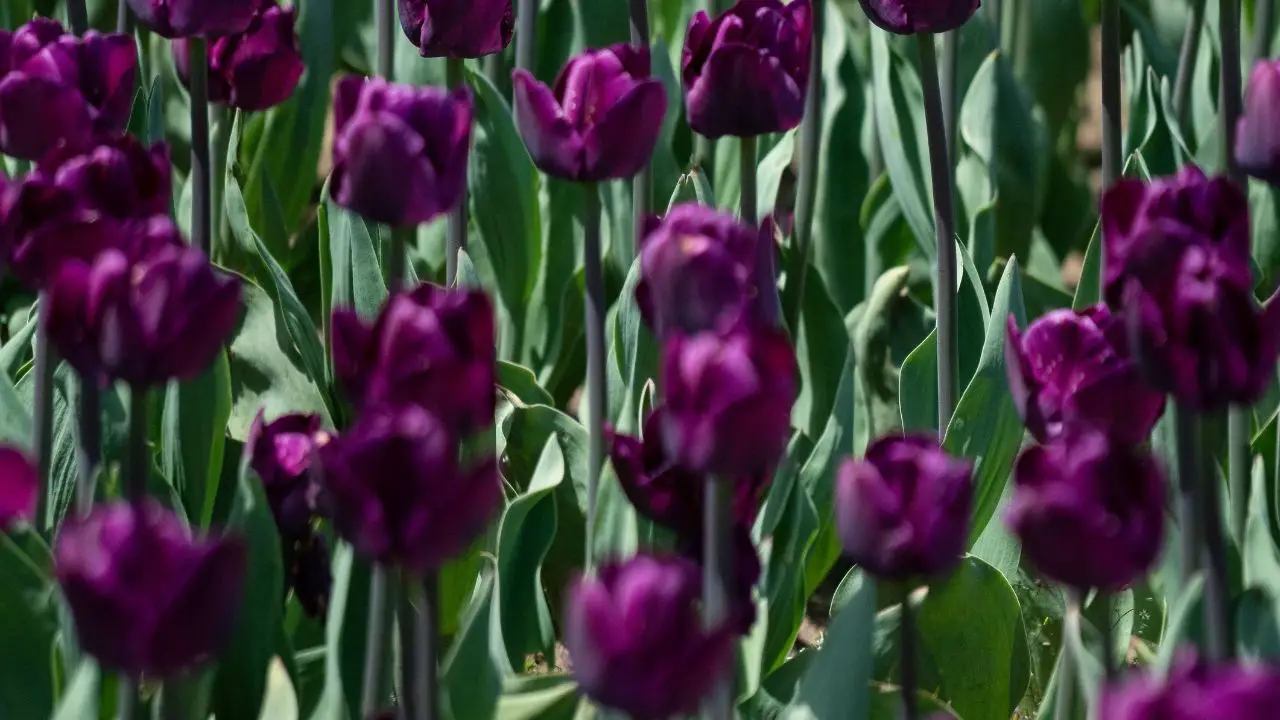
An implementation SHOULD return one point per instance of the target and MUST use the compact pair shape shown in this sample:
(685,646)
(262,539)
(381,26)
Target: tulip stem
(122,17)
(89,448)
(457,229)
(944,222)
(1217,593)
(1231,96)
(526,34)
(747,169)
(907,671)
(947,82)
(375,640)
(384,11)
(1065,680)
(126,694)
(1187,61)
(428,632)
(223,120)
(201,195)
(595,310)
(1187,431)
(996,9)
(407,628)
(78,16)
(1110,92)
(1107,630)
(42,419)
(717,575)
(1264,16)
(135,483)
(642,183)
(807,192)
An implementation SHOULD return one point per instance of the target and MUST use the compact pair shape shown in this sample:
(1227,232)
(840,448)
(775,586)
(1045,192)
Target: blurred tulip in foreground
(18,487)
(147,598)
(1257,150)
(183,18)
(602,120)
(253,70)
(908,17)
(457,28)
(1195,690)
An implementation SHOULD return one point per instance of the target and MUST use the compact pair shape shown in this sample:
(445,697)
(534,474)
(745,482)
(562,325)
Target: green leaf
(822,343)
(280,703)
(356,273)
(918,387)
(521,382)
(345,636)
(15,419)
(899,103)
(193,431)
(985,427)
(836,685)
(539,697)
(784,580)
(635,353)
(80,700)
(476,666)
(28,627)
(1089,291)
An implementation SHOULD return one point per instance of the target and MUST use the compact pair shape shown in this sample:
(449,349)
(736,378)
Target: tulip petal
(36,114)
(554,145)
(622,141)
(743,92)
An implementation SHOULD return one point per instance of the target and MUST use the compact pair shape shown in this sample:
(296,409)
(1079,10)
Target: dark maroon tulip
(147,598)
(19,484)
(281,453)
(57,88)
(729,398)
(142,321)
(399,152)
(1089,510)
(1177,263)
(1257,148)
(745,72)
(903,510)
(601,122)
(433,347)
(457,28)
(698,271)
(1073,370)
(184,18)
(253,70)
(307,568)
(908,17)
(637,641)
(1195,690)
(399,492)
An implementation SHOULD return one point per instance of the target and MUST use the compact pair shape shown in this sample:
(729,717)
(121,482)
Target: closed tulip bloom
(457,28)
(729,398)
(1195,690)
(1257,150)
(1178,263)
(1089,510)
(399,152)
(602,120)
(903,510)
(253,70)
(57,88)
(433,347)
(19,484)
(184,18)
(1073,370)
(636,638)
(908,17)
(698,271)
(400,494)
(745,72)
(281,453)
(147,598)
(144,322)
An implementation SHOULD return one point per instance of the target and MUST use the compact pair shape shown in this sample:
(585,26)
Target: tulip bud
(399,493)
(1195,690)
(729,398)
(184,18)
(19,485)
(60,89)
(399,152)
(745,72)
(1257,148)
(637,642)
(601,122)
(1089,510)
(457,28)
(147,598)
(142,321)
(908,17)
(903,510)
(281,453)
(253,70)
(1072,370)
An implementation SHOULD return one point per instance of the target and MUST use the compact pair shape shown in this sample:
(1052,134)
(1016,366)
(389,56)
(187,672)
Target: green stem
(595,311)
(807,192)
(1217,588)
(1111,109)
(126,698)
(78,16)
(642,183)
(385,13)
(137,469)
(223,120)
(201,192)
(1187,60)
(42,415)
(122,17)
(456,233)
(425,652)
(1065,682)
(375,640)
(88,443)
(526,34)
(747,168)
(717,577)
(1187,431)
(1264,16)
(907,673)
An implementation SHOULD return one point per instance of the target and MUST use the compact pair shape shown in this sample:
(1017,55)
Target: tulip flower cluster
(1195,690)
(254,69)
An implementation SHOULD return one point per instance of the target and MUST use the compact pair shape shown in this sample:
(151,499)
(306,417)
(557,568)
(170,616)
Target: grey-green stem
(138,468)
(126,698)
(1111,109)
(1187,55)
(526,34)
(201,191)
(375,640)
(88,444)
(807,192)
(642,183)
(747,168)
(907,671)
(78,16)
(456,232)
(594,317)
(385,22)
(42,415)
(1264,18)
(717,577)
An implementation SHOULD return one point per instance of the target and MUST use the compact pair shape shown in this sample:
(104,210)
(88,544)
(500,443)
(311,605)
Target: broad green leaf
(538,697)
(899,103)
(790,539)
(520,381)
(822,343)
(345,636)
(918,388)
(280,703)
(635,352)
(28,627)
(836,685)
(193,431)
(15,419)
(80,699)
(1089,291)
(356,273)
(473,672)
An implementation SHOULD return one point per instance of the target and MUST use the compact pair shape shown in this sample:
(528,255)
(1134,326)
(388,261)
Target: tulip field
(639,360)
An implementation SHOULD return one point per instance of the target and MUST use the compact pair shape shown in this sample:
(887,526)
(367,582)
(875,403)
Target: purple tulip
(147,598)
(19,485)
(399,492)
(184,18)
(142,321)
(1257,150)
(457,28)
(601,122)
(637,641)
(1177,262)
(698,271)
(281,452)
(1195,690)
(307,572)
(432,347)
(903,510)
(745,72)
(908,17)
(729,398)
(253,70)
(1089,510)
(57,88)
(77,203)
(1073,370)
(399,152)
